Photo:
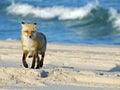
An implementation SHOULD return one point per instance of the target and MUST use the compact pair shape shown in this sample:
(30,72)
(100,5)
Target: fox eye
(33,31)
(26,31)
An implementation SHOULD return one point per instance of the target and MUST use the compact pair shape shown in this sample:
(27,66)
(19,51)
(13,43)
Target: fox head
(29,30)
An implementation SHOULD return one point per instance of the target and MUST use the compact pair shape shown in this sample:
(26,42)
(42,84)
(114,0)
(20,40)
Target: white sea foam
(115,18)
(61,12)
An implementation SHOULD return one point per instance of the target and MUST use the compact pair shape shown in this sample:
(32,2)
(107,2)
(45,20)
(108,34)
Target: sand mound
(18,76)
(58,76)
(23,76)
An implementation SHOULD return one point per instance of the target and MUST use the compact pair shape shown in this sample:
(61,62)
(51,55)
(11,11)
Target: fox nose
(30,36)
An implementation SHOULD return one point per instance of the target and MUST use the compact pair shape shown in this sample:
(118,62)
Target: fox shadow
(115,69)
(44,74)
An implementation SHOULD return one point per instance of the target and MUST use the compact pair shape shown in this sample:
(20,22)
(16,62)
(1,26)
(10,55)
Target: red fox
(33,43)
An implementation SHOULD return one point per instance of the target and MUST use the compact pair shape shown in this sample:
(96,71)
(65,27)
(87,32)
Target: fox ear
(22,22)
(35,23)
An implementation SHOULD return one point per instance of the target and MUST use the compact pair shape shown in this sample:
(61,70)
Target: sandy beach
(66,66)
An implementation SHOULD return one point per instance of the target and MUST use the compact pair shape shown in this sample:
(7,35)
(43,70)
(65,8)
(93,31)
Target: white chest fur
(28,44)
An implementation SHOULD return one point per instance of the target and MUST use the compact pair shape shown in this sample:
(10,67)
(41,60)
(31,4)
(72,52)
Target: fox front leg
(25,53)
(33,62)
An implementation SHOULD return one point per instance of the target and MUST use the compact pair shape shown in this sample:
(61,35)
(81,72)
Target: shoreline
(59,43)
(92,66)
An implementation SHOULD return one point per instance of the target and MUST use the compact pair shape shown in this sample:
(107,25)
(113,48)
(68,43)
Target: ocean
(63,21)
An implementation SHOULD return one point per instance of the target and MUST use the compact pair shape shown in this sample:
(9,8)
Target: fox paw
(25,65)
(30,56)
(37,67)
(41,64)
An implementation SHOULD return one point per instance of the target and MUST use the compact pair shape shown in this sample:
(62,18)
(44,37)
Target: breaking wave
(61,12)
(92,11)
(115,18)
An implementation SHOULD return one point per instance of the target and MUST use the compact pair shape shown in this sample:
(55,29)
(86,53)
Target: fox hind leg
(42,59)
(38,62)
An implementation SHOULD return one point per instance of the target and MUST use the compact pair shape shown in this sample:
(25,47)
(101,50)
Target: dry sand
(66,66)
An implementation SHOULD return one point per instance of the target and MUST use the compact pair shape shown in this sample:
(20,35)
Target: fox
(33,44)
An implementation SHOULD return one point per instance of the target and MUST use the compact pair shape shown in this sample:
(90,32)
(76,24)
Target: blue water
(63,21)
